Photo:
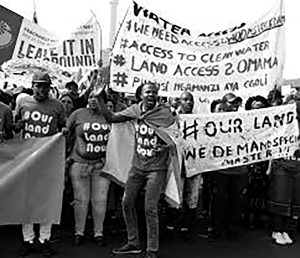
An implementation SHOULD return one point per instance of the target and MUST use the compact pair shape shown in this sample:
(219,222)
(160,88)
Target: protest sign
(32,180)
(28,45)
(221,140)
(245,58)
(20,71)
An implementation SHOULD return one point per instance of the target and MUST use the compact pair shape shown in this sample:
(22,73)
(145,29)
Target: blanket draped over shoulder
(121,145)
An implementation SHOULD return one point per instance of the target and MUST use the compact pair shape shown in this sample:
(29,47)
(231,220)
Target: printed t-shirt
(42,118)
(146,142)
(92,132)
(145,157)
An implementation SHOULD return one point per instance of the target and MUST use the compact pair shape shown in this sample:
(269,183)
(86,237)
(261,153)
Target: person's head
(68,103)
(186,102)
(110,105)
(256,102)
(174,102)
(72,88)
(149,95)
(217,106)
(41,85)
(275,97)
(104,74)
(93,102)
(291,98)
(113,95)
(231,102)
(5,97)
(138,93)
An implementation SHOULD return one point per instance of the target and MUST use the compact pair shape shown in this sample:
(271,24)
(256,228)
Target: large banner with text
(222,140)
(243,59)
(26,47)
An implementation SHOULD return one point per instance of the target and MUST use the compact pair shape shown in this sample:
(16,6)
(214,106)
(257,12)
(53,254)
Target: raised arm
(111,117)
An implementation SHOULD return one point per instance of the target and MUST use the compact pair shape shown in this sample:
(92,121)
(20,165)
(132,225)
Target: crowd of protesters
(264,194)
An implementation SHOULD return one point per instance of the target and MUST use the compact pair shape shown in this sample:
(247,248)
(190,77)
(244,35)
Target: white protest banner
(221,140)
(20,71)
(25,42)
(243,59)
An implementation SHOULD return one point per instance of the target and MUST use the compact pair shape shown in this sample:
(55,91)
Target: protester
(191,184)
(184,219)
(275,97)
(6,122)
(110,105)
(5,98)
(228,189)
(81,101)
(39,116)
(258,180)
(114,96)
(149,165)
(217,106)
(88,155)
(72,90)
(138,94)
(68,103)
(256,102)
(284,202)
(174,104)
(231,102)
(67,216)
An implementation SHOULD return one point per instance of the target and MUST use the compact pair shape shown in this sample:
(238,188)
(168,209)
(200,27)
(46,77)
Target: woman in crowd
(110,104)
(67,211)
(284,202)
(258,180)
(88,155)
(68,103)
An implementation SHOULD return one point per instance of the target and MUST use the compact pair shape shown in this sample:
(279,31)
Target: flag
(32,180)
(120,151)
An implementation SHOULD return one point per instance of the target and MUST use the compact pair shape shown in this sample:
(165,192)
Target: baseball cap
(41,77)
(230,97)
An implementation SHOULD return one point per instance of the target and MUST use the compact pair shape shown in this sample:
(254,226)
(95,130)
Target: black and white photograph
(149,129)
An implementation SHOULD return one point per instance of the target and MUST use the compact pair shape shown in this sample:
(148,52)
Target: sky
(64,16)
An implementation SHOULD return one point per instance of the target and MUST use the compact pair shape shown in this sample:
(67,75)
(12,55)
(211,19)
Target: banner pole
(97,21)
(35,20)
